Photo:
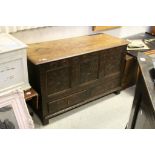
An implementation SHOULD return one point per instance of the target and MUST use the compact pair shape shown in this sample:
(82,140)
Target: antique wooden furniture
(31,98)
(130,72)
(131,66)
(31,95)
(143,108)
(142,36)
(13,64)
(70,72)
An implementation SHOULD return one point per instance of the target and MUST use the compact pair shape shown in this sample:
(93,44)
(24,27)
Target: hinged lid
(9,43)
(44,52)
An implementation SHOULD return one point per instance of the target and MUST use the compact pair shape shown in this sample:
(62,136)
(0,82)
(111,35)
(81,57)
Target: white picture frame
(13,103)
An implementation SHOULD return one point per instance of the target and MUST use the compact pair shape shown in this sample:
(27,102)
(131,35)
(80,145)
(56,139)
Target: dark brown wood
(152,30)
(31,98)
(66,80)
(143,109)
(130,72)
(31,95)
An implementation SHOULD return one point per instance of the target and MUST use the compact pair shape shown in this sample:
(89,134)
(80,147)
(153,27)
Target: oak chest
(70,72)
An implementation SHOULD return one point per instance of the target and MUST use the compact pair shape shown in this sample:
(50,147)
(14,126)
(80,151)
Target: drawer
(106,85)
(78,97)
(58,105)
(68,101)
(97,90)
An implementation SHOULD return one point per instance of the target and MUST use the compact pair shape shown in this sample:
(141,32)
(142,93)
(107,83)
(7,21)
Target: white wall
(127,31)
(60,32)
(52,33)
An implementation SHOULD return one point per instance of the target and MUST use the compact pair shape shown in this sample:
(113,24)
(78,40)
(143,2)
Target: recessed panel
(58,80)
(112,60)
(89,68)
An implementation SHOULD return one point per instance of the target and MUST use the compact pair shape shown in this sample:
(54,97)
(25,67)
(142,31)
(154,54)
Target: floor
(109,112)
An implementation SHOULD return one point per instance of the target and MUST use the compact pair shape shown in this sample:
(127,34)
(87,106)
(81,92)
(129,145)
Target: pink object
(15,99)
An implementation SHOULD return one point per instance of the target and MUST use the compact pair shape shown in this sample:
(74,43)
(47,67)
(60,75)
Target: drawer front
(58,105)
(106,85)
(97,90)
(112,82)
(67,102)
(78,97)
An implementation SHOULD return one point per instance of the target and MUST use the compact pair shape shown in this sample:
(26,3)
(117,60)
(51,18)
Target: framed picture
(14,113)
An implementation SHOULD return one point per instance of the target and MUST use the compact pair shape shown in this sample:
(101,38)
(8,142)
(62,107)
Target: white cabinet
(13,64)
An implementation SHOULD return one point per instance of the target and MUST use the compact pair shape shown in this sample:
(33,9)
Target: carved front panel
(89,68)
(112,61)
(58,80)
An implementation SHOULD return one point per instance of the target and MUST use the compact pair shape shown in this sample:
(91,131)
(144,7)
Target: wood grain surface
(44,52)
(102,28)
(71,72)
